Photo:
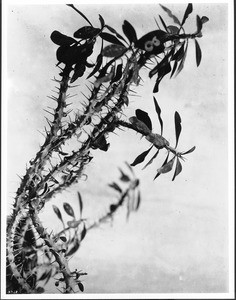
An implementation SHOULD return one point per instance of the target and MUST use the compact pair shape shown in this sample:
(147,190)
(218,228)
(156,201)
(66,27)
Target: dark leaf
(144,117)
(68,209)
(178,169)
(43,276)
(158,110)
(101,21)
(138,201)
(156,86)
(199,24)
(163,23)
(101,143)
(86,32)
(113,50)
(129,31)
(79,70)
(151,160)
(80,285)
(115,186)
(83,233)
(178,127)
(124,177)
(48,277)
(189,151)
(40,290)
(181,65)
(188,11)
(80,203)
(97,67)
(74,223)
(164,163)
(198,53)
(167,167)
(174,68)
(141,157)
(118,74)
(173,29)
(130,168)
(63,238)
(74,248)
(57,212)
(170,14)
(111,38)
(139,125)
(61,39)
(179,53)
(115,32)
(113,207)
(204,19)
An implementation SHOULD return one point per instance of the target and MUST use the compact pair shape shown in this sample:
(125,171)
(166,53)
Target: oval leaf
(129,31)
(110,38)
(115,32)
(141,157)
(144,117)
(170,14)
(57,212)
(178,169)
(178,127)
(164,163)
(63,238)
(188,11)
(68,209)
(113,50)
(167,167)
(139,125)
(198,53)
(81,287)
(86,32)
(61,39)
(73,224)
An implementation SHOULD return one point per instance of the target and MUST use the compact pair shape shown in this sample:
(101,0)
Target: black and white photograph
(117,150)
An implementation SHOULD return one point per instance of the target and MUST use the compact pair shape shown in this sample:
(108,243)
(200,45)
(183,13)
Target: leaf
(188,11)
(178,169)
(144,117)
(97,67)
(68,209)
(61,39)
(181,65)
(178,127)
(57,212)
(204,19)
(167,167)
(74,223)
(164,163)
(113,207)
(198,53)
(101,21)
(174,68)
(199,24)
(111,38)
(63,238)
(80,203)
(74,248)
(118,74)
(113,50)
(179,53)
(115,32)
(83,233)
(139,125)
(79,12)
(163,23)
(158,110)
(151,160)
(130,168)
(141,157)
(189,151)
(79,70)
(129,31)
(124,177)
(138,201)
(170,14)
(173,29)
(86,32)
(43,276)
(80,285)
(115,186)
(101,143)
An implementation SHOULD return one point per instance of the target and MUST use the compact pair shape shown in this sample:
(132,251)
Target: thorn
(48,121)
(72,86)
(42,133)
(48,112)
(67,97)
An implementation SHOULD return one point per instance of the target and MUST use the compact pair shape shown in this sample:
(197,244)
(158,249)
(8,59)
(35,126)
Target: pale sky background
(178,240)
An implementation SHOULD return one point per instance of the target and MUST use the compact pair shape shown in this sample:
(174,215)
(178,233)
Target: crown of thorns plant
(35,256)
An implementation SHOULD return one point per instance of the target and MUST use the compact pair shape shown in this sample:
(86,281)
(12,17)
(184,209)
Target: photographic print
(117,150)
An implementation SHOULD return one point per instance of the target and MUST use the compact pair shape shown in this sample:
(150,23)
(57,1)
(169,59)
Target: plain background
(178,240)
